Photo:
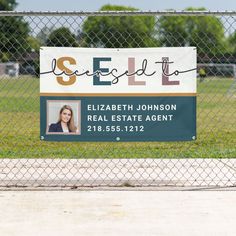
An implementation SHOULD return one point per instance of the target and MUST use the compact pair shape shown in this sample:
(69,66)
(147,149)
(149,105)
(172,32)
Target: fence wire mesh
(27,161)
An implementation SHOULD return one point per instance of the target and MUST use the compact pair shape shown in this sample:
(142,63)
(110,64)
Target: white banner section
(134,71)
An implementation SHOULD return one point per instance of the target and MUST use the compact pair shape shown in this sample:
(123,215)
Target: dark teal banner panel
(122,119)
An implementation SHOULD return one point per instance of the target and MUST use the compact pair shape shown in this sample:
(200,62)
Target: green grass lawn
(19,127)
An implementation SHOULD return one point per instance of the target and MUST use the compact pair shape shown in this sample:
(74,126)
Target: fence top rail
(116,13)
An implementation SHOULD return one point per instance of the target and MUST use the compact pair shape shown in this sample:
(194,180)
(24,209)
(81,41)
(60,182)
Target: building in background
(9,69)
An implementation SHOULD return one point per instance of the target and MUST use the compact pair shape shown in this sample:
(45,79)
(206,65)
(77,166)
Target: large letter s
(62,67)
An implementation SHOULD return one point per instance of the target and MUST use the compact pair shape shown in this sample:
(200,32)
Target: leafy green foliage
(172,31)
(204,32)
(34,43)
(13,35)
(232,43)
(62,37)
(7,5)
(119,31)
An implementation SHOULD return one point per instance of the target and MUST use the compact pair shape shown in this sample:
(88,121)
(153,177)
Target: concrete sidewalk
(78,213)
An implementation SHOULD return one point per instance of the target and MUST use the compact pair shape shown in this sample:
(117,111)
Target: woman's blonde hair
(71,123)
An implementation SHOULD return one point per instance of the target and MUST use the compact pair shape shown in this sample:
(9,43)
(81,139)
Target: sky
(94,5)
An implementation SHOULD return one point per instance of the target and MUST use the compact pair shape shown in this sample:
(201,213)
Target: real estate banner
(100,94)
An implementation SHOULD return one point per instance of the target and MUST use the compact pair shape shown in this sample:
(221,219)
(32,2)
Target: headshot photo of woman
(65,123)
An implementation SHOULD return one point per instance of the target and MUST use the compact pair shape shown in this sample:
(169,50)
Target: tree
(62,37)
(119,31)
(34,43)
(204,32)
(172,31)
(207,33)
(7,5)
(232,42)
(13,35)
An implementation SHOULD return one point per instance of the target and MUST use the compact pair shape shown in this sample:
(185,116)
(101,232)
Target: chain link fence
(25,160)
